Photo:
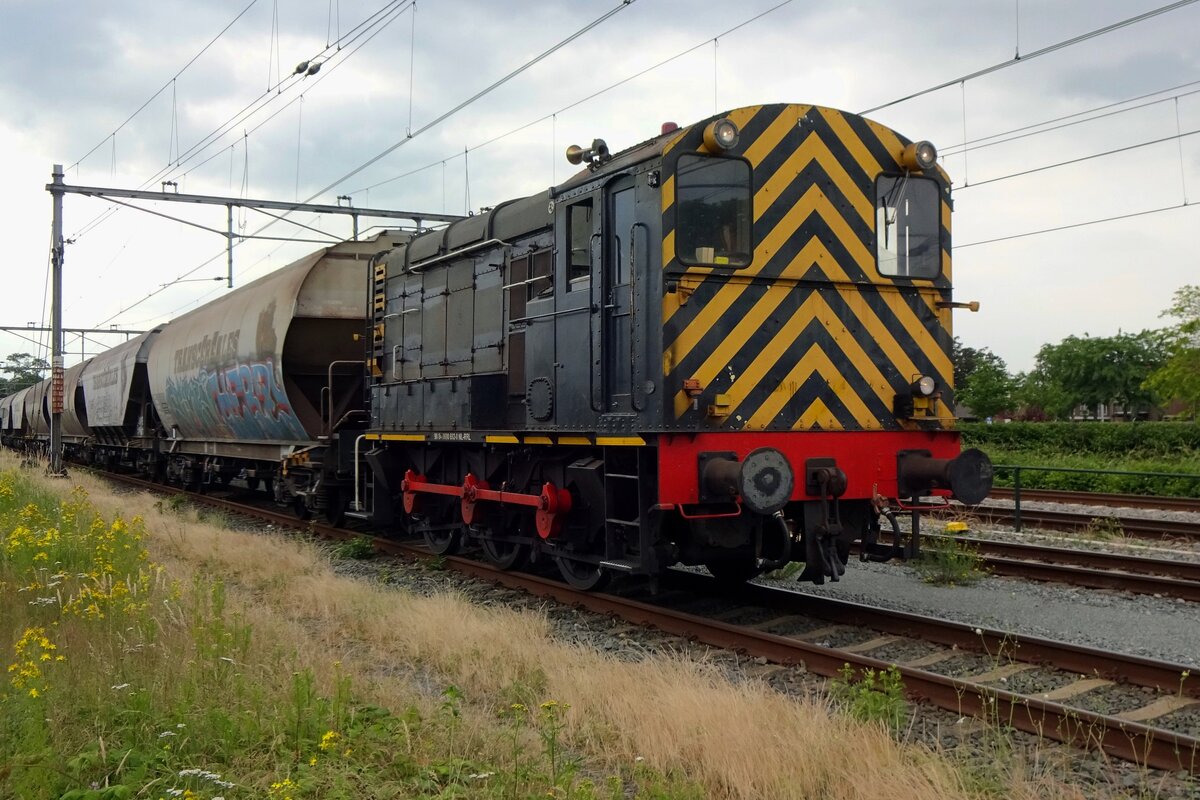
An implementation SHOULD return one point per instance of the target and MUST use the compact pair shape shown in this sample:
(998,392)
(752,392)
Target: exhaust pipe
(968,476)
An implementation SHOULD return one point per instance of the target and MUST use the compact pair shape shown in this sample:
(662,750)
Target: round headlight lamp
(721,134)
(919,155)
(924,386)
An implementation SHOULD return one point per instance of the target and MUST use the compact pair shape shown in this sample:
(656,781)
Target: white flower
(979,631)
(120,686)
(481,776)
(165,734)
(639,759)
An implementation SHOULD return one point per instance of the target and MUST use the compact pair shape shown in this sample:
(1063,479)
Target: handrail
(1016,469)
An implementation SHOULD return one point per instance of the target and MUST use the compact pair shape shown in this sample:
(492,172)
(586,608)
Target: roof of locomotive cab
(507,220)
(662,144)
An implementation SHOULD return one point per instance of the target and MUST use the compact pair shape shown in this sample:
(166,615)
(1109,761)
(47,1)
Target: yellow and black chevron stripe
(810,335)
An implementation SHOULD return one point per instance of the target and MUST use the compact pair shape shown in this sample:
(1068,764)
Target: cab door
(614,287)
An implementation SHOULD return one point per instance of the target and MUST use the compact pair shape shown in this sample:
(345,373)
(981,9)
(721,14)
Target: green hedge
(1148,440)
(1126,447)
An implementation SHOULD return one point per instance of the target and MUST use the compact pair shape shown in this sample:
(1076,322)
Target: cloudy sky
(74,71)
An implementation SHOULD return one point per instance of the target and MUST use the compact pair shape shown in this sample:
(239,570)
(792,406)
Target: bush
(1163,447)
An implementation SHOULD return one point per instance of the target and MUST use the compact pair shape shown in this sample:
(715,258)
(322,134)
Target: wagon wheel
(335,508)
(503,553)
(252,483)
(582,575)
(300,508)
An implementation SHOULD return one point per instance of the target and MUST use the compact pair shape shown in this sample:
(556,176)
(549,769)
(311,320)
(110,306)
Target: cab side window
(579,240)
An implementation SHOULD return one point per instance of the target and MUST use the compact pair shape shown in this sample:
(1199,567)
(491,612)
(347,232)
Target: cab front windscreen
(713,202)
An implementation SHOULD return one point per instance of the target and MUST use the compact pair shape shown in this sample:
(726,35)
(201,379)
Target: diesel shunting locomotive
(728,345)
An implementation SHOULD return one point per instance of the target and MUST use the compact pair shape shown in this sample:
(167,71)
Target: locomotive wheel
(443,537)
(582,575)
(444,542)
(505,555)
(733,570)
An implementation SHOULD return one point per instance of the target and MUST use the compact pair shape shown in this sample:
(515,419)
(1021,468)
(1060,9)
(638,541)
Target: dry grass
(737,740)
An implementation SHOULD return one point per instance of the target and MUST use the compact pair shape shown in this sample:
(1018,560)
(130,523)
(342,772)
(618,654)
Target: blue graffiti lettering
(243,401)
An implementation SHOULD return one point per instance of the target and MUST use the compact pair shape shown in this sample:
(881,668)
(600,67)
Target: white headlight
(919,155)
(721,134)
(925,385)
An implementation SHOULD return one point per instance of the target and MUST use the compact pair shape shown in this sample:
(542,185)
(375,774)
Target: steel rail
(1131,741)
(1134,527)
(1087,568)
(1157,502)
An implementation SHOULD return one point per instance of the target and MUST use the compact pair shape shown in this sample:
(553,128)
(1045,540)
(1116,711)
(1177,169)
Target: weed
(1105,528)
(873,697)
(176,503)
(357,547)
(946,562)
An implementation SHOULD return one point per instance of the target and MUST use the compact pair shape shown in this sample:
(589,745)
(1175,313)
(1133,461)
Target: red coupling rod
(553,504)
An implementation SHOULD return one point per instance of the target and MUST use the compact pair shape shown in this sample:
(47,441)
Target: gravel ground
(1156,627)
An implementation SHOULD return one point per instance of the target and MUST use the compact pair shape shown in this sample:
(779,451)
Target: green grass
(872,696)
(118,682)
(356,547)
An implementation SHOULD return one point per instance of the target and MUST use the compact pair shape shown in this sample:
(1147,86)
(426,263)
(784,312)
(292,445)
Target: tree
(1092,370)
(23,370)
(1179,376)
(981,380)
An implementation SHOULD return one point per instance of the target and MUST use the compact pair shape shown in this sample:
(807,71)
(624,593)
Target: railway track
(1156,502)
(1114,524)
(862,630)
(1086,568)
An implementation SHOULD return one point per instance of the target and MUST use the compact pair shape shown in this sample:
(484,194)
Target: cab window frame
(677,207)
(937,224)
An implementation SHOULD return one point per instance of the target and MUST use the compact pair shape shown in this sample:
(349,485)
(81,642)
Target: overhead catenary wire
(1026,131)
(163,88)
(478,95)
(582,100)
(379,17)
(429,125)
(1065,43)
(1069,226)
(706,41)
(1176,137)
